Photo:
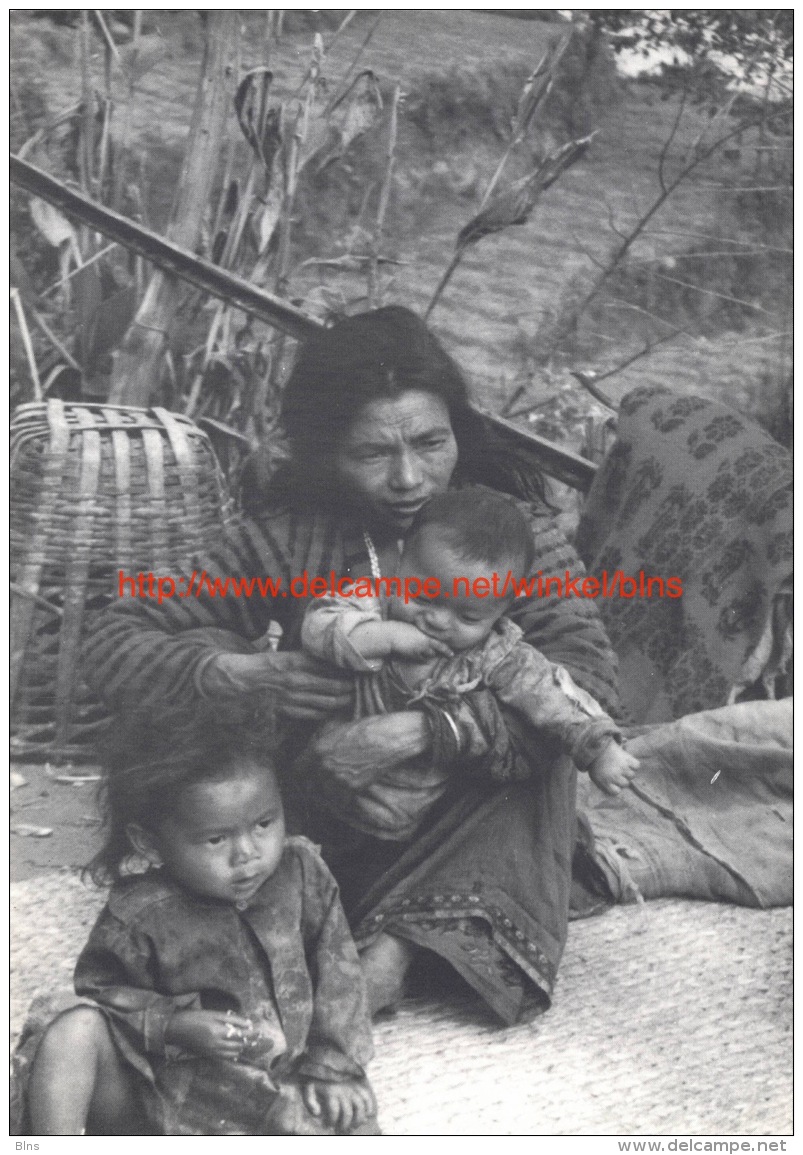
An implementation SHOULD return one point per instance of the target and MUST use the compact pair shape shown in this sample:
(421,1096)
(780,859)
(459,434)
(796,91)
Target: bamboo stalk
(27,343)
(384,197)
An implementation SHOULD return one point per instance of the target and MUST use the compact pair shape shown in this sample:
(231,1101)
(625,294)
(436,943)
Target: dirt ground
(66,810)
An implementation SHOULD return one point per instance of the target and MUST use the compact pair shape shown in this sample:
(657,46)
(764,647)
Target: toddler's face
(225,838)
(457,618)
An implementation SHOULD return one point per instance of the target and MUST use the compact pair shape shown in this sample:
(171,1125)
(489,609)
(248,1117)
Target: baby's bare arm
(388,639)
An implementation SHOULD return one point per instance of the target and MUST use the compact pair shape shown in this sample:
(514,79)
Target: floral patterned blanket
(692,490)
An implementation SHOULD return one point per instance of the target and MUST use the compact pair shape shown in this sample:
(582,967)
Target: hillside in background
(708,281)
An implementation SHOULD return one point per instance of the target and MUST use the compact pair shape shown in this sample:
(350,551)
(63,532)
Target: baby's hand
(341,1106)
(407,641)
(613,769)
(214,1034)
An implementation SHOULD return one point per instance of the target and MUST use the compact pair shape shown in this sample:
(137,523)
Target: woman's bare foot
(385,963)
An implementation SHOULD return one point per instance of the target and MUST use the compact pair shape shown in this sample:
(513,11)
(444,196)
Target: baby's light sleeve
(328,623)
(546,697)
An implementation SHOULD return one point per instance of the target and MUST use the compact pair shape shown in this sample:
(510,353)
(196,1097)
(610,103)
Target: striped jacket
(140,651)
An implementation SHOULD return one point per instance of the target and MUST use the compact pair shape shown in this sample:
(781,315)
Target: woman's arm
(471,735)
(198,644)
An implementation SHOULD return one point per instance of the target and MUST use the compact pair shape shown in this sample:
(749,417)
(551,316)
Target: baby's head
(199,800)
(468,539)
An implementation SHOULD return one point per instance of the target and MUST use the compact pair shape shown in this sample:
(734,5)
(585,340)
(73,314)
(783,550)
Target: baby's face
(456,617)
(225,838)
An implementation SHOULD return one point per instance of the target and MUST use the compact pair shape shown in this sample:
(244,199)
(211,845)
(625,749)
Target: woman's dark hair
(479,526)
(381,354)
(147,765)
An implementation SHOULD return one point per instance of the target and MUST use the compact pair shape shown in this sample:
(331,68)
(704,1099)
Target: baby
(428,650)
(220,992)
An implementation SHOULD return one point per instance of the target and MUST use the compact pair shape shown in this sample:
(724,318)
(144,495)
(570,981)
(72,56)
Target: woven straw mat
(669,1017)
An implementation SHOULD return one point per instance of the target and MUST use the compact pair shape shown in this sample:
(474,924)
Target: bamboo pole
(559,463)
(166,255)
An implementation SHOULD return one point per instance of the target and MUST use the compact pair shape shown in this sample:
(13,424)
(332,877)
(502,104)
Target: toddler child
(430,649)
(220,992)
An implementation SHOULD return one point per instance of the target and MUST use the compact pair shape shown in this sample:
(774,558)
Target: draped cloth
(693,490)
(709,815)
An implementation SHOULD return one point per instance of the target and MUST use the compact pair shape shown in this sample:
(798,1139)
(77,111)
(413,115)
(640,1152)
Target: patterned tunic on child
(287,962)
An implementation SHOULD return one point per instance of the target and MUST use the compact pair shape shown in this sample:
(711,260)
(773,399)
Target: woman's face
(398,453)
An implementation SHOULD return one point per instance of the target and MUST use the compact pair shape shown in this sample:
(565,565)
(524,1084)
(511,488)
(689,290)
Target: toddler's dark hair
(149,762)
(480,526)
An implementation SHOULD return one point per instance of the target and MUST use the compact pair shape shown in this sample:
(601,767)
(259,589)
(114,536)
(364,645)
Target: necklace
(373,556)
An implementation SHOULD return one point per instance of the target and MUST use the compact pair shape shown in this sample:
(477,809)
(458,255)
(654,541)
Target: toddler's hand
(341,1106)
(213,1034)
(613,769)
(407,641)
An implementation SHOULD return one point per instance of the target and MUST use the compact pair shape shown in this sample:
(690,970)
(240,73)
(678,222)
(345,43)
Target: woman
(378,422)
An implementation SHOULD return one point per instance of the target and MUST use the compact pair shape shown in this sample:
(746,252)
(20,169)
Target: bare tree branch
(670,139)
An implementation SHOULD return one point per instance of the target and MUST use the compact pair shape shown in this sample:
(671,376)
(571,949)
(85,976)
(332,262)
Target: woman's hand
(213,1034)
(341,1106)
(299,686)
(356,753)
(613,769)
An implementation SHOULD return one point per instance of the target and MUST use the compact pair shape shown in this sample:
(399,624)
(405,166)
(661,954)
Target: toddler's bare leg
(385,963)
(78,1082)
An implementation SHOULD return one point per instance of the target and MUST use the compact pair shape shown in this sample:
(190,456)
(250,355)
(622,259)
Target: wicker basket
(94,489)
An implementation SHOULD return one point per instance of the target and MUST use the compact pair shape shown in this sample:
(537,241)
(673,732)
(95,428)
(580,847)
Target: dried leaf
(513,207)
(353,114)
(53,226)
(261,124)
(110,324)
(538,86)
(268,218)
(358,108)
(27,831)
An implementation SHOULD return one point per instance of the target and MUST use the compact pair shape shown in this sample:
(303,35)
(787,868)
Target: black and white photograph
(401,583)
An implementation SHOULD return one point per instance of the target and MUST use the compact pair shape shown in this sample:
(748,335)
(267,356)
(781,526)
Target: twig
(621,250)
(125,136)
(36,598)
(648,348)
(622,236)
(761,250)
(457,256)
(708,237)
(90,260)
(51,336)
(710,292)
(589,385)
(88,110)
(107,36)
(384,197)
(341,88)
(669,140)
(26,342)
(344,23)
(533,95)
(618,303)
